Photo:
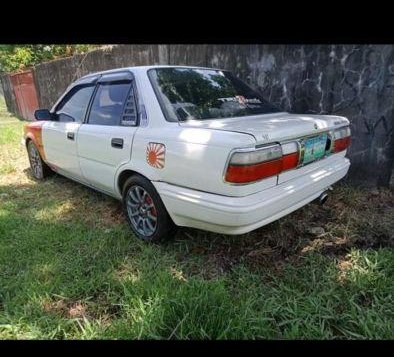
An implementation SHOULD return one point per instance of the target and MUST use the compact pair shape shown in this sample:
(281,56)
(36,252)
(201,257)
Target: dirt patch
(77,310)
(65,308)
(344,265)
(97,308)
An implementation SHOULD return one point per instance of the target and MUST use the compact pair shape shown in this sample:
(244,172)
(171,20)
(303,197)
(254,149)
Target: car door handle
(70,135)
(117,143)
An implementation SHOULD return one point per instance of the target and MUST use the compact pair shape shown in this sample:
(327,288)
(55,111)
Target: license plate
(314,148)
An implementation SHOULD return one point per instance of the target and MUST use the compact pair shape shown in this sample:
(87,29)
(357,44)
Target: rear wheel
(145,211)
(39,168)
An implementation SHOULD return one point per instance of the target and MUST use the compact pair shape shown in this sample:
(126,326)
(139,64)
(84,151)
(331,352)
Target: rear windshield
(198,94)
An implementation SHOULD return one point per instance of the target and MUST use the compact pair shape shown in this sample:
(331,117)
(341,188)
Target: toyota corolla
(187,146)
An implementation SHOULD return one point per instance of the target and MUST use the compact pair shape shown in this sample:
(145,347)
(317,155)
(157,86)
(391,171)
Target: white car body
(191,183)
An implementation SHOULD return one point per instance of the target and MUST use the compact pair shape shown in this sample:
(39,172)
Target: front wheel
(39,168)
(145,211)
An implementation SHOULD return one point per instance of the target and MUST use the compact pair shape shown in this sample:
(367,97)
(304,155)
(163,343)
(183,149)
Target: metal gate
(25,94)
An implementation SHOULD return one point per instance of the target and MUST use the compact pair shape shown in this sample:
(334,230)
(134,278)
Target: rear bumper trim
(237,215)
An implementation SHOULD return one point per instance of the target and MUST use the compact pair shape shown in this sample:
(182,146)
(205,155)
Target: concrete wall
(356,81)
(53,77)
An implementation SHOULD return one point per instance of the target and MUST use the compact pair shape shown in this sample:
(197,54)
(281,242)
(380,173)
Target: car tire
(39,168)
(145,211)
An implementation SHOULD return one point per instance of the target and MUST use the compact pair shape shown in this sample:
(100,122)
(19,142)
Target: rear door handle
(117,143)
(70,135)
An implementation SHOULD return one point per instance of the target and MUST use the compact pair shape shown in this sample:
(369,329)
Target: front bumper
(238,215)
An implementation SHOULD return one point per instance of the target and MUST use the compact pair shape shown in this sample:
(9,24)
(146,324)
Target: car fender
(33,131)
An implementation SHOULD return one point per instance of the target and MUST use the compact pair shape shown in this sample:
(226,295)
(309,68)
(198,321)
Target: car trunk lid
(274,127)
(278,128)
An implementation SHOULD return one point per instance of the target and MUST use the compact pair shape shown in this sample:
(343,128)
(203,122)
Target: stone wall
(356,81)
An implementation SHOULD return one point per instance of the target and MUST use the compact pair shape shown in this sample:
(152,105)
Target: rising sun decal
(155,155)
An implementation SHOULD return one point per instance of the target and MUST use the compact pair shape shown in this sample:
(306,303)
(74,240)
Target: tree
(18,57)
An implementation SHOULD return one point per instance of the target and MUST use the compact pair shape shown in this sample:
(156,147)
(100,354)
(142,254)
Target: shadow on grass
(352,218)
(72,269)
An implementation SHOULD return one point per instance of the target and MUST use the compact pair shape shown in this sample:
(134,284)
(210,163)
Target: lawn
(71,269)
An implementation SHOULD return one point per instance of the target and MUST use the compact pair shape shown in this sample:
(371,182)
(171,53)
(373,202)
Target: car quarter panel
(194,158)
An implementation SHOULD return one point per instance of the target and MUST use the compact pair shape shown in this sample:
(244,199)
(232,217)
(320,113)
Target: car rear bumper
(238,215)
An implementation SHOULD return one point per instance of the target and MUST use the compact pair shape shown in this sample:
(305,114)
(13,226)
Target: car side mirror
(42,114)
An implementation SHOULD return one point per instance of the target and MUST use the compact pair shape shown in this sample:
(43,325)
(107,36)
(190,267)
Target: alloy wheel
(141,210)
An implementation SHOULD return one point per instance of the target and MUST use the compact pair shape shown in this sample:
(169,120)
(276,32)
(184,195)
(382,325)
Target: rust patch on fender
(34,132)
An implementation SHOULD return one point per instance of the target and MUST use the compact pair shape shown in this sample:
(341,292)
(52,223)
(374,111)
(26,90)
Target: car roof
(140,69)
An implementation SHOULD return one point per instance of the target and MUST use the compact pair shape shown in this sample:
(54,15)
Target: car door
(105,139)
(60,134)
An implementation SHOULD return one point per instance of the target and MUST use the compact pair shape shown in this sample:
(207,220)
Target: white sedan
(187,146)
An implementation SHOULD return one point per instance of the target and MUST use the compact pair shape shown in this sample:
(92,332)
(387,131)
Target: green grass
(70,268)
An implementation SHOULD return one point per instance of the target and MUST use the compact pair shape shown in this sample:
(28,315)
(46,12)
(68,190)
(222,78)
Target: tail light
(341,139)
(253,165)
(291,155)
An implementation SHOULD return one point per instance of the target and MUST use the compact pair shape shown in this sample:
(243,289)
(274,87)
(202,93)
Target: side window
(73,108)
(110,103)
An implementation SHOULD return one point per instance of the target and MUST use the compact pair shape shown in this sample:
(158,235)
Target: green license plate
(314,148)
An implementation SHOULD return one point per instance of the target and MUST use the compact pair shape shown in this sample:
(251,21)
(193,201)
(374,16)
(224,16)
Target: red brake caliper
(149,201)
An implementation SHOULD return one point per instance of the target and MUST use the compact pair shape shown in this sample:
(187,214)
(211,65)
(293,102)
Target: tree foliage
(18,57)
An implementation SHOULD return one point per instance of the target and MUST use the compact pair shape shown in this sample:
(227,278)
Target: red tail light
(250,173)
(246,166)
(341,139)
(290,161)
(251,166)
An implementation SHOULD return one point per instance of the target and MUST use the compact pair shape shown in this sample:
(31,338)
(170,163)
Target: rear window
(198,94)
